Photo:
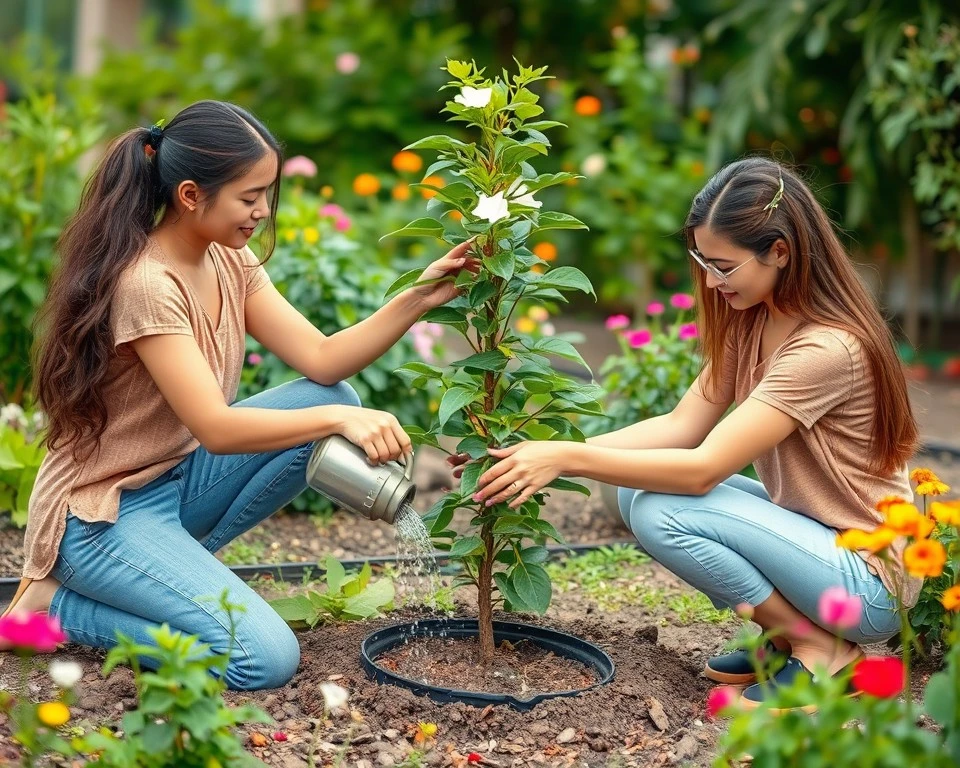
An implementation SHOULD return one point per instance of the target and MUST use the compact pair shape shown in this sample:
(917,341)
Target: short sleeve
(810,377)
(147,302)
(255,275)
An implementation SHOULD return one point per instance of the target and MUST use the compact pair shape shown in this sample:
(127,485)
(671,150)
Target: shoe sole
(809,709)
(729,678)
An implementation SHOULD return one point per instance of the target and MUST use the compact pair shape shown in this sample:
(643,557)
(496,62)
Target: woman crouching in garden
(151,466)
(792,337)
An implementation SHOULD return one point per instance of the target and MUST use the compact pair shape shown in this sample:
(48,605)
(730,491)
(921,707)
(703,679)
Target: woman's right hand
(378,433)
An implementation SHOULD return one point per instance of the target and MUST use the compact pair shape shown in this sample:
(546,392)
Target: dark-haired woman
(152,467)
(792,337)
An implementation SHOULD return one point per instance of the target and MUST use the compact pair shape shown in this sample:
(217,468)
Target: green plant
(350,597)
(41,139)
(655,367)
(21,454)
(181,719)
(487,396)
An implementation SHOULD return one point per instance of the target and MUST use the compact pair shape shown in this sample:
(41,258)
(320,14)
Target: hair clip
(777,197)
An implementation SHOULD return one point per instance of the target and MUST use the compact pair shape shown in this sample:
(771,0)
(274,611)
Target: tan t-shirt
(143,436)
(820,377)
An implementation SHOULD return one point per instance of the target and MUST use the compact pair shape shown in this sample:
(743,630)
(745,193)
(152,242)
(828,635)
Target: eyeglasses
(713,269)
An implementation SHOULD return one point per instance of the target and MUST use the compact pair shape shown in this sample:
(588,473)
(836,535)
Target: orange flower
(433,181)
(702,114)
(951,598)
(932,488)
(874,541)
(884,504)
(326,190)
(946,512)
(587,106)
(924,475)
(925,558)
(906,520)
(538,268)
(400,192)
(366,184)
(545,251)
(456,215)
(407,162)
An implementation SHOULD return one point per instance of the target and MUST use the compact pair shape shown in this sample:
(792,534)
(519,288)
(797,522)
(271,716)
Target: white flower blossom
(13,416)
(473,97)
(517,194)
(594,165)
(334,696)
(66,674)
(491,208)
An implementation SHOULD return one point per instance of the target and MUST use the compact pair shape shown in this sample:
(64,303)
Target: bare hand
(523,470)
(378,433)
(442,274)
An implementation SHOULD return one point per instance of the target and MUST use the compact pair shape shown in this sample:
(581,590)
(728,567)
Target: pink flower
(548,329)
(342,223)
(616,322)
(279,736)
(300,166)
(347,63)
(32,632)
(434,329)
(719,699)
(655,308)
(331,209)
(681,301)
(744,611)
(638,338)
(687,331)
(838,609)
(254,359)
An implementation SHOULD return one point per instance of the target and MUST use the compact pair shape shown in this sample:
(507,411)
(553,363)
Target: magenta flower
(331,209)
(655,308)
(32,632)
(639,338)
(838,609)
(719,699)
(616,322)
(347,63)
(681,301)
(300,166)
(342,223)
(688,331)
(254,359)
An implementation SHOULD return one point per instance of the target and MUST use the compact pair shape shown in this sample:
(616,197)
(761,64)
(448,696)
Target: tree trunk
(485,598)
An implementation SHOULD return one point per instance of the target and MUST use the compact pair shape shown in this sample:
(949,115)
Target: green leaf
(468,480)
(293,609)
(467,545)
(425,227)
(554,346)
(404,281)
(494,360)
(445,315)
(534,555)
(556,220)
(502,264)
(474,445)
(569,278)
(439,142)
(561,484)
(419,436)
(368,603)
(453,400)
(335,575)
(532,585)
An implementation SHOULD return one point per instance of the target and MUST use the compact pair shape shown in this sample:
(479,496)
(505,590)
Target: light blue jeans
(156,563)
(736,546)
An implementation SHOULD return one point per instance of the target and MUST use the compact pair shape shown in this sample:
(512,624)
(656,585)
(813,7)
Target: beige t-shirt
(821,377)
(143,436)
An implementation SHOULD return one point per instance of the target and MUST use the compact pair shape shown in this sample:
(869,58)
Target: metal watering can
(340,471)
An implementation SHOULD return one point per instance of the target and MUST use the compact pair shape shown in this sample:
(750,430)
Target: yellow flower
(925,558)
(946,512)
(433,181)
(366,184)
(924,475)
(406,161)
(545,251)
(932,488)
(290,235)
(526,325)
(53,713)
(428,729)
(884,504)
(906,520)
(874,541)
(951,598)
(540,314)
(311,235)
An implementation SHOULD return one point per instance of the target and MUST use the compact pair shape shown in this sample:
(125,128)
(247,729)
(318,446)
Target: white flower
(548,329)
(13,416)
(66,674)
(491,208)
(473,97)
(347,63)
(594,165)
(517,193)
(334,696)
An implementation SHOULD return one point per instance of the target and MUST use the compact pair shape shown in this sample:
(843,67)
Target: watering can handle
(408,469)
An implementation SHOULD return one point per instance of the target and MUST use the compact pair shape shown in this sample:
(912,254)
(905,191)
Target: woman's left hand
(522,471)
(441,291)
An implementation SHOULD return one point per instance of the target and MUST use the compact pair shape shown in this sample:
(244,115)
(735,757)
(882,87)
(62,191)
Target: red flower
(279,736)
(473,757)
(719,699)
(881,676)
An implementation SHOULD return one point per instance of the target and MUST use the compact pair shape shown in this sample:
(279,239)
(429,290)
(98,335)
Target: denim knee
(648,516)
(309,392)
(265,655)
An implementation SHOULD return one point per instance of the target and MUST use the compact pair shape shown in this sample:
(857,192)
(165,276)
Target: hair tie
(154,139)
(777,197)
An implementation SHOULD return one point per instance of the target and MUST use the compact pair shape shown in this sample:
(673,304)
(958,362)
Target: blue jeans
(736,546)
(155,564)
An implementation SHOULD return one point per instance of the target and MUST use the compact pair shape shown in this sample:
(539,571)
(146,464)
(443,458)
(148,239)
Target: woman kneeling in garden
(151,466)
(791,335)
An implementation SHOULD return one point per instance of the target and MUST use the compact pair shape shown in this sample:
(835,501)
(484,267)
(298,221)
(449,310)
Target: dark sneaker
(736,668)
(755,695)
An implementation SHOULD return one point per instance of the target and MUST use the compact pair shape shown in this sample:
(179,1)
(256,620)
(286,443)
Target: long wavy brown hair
(818,285)
(211,143)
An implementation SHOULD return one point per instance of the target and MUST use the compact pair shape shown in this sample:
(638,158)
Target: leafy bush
(21,454)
